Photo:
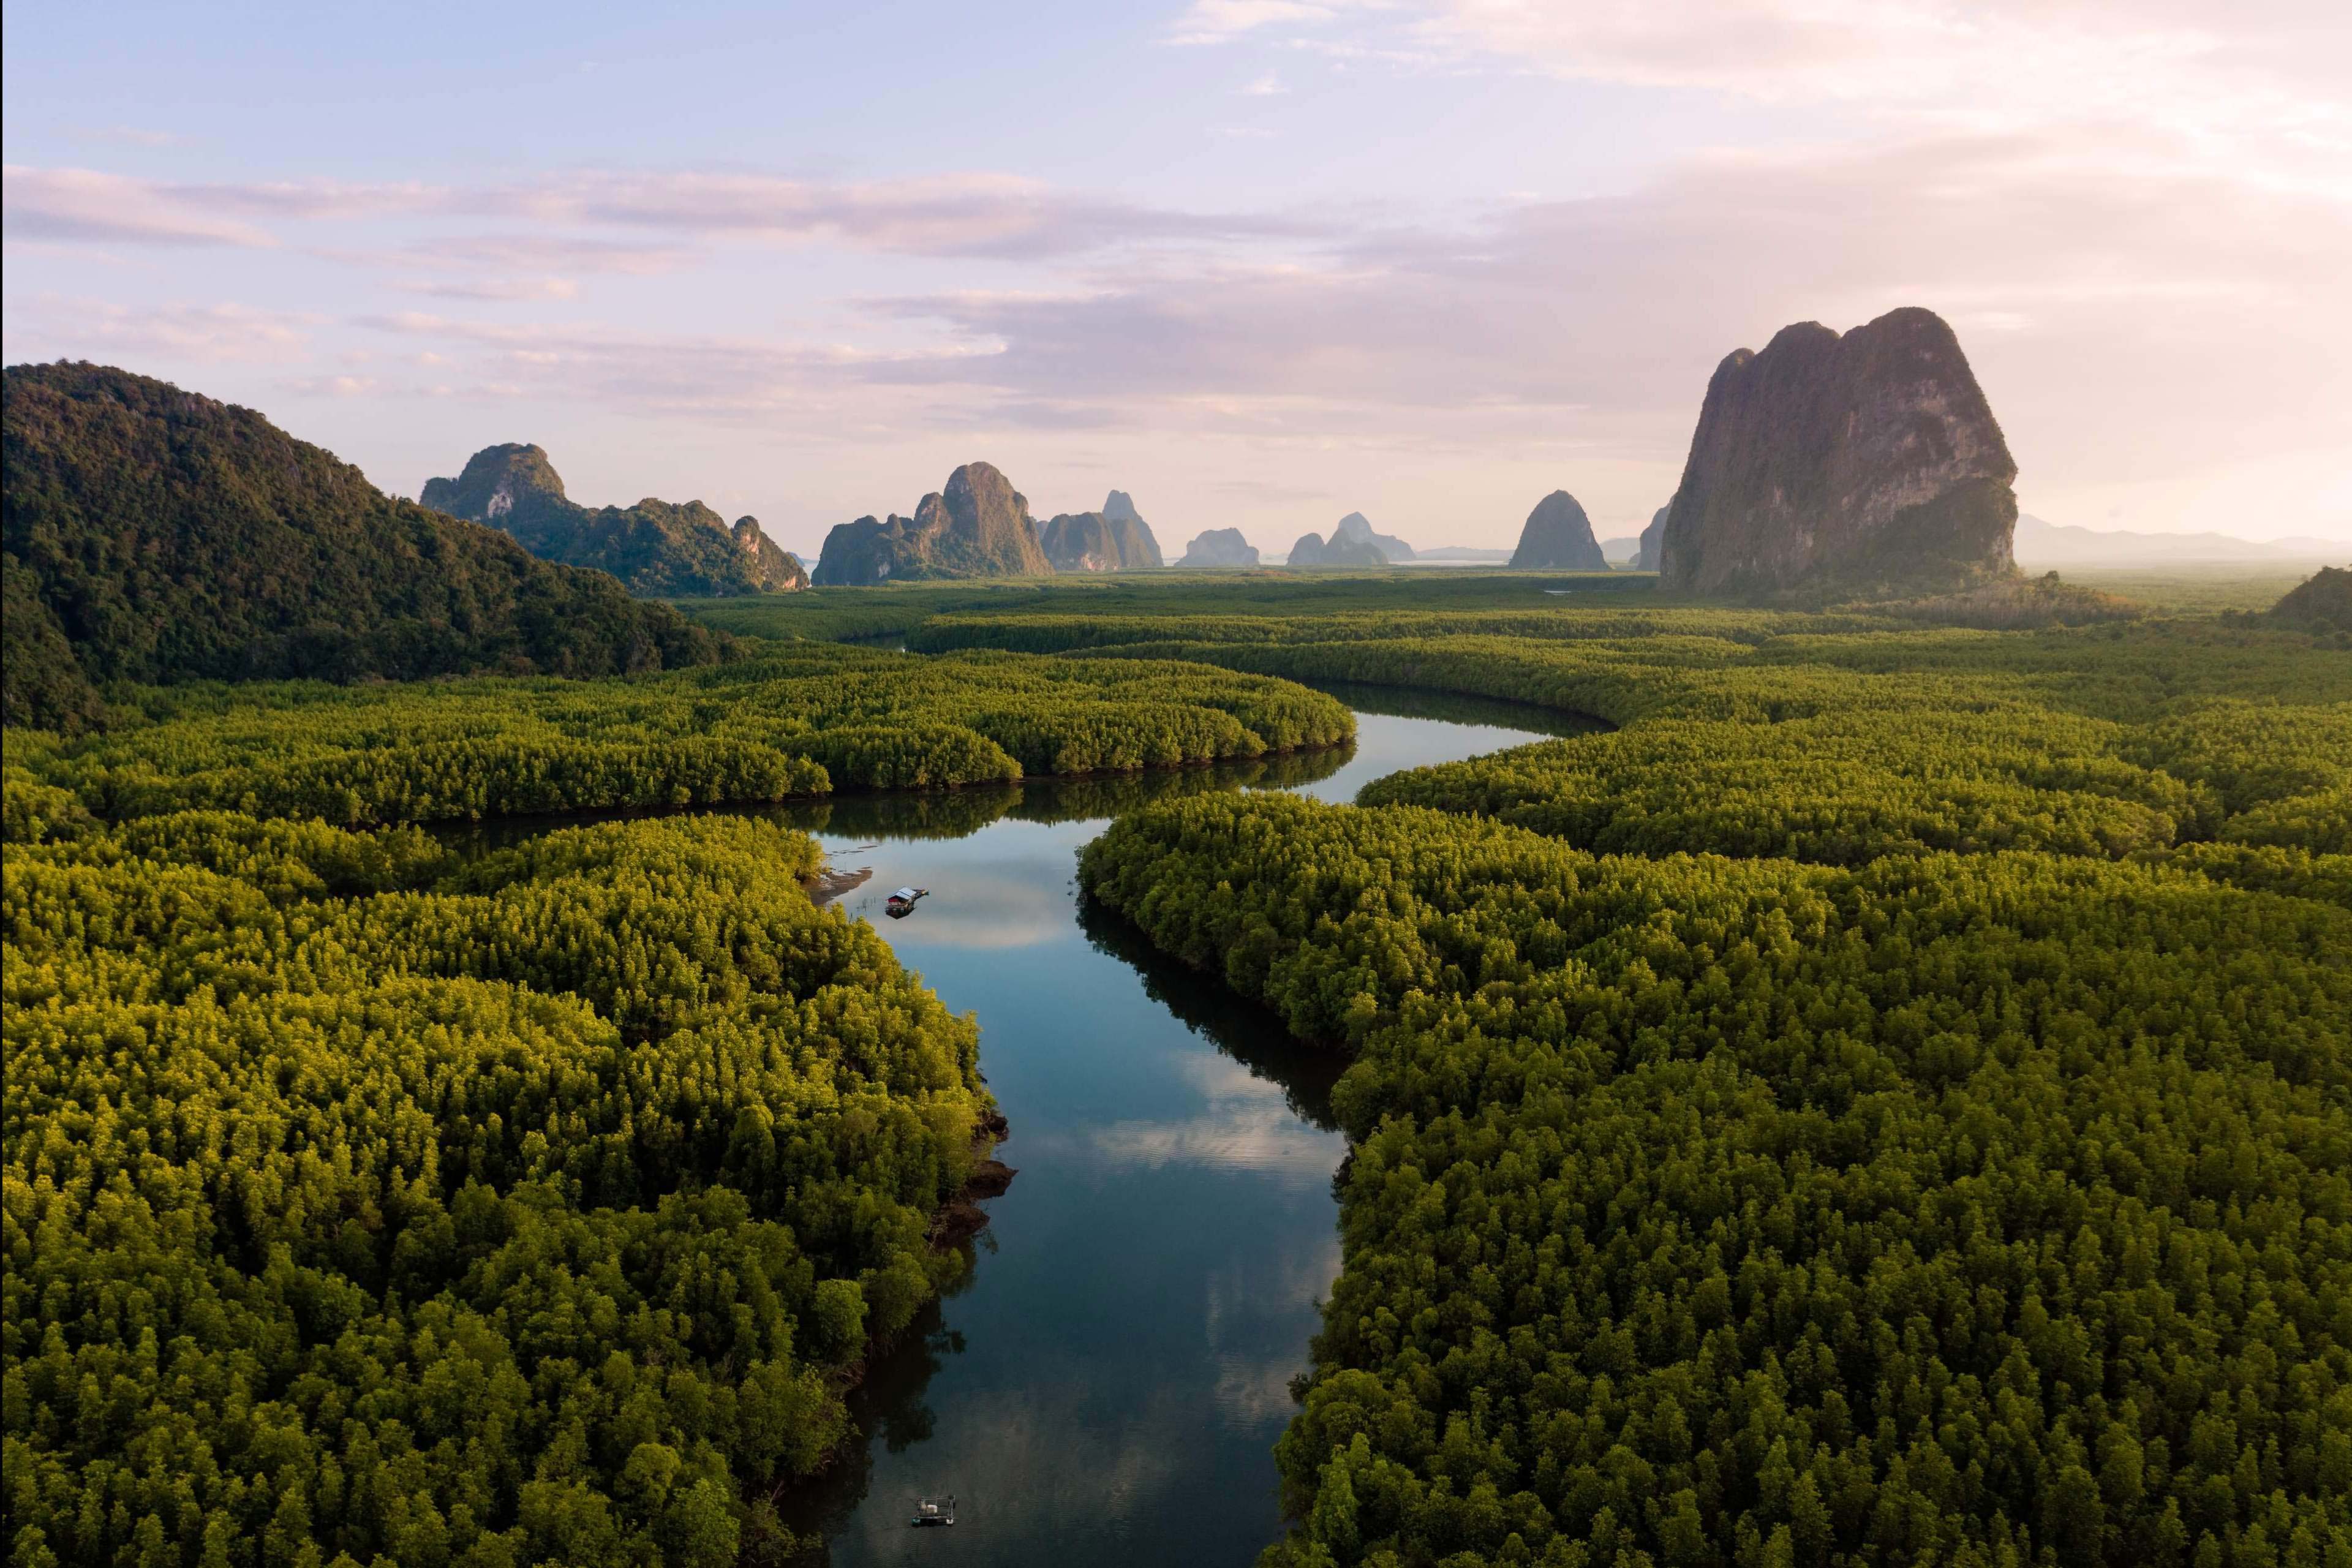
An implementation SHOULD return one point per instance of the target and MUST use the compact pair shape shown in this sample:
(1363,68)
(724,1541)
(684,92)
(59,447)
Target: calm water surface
(1108,1382)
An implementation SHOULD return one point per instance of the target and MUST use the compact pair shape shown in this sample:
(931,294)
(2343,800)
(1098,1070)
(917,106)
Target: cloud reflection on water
(1245,1124)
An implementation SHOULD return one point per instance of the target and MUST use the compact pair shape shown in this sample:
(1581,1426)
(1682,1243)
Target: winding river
(1108,1381)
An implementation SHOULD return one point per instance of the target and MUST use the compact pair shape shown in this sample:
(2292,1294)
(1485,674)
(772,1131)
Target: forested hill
(152,534)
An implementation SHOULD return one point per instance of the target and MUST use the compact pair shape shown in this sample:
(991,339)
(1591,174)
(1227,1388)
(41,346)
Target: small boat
(933,1510)
(900,904)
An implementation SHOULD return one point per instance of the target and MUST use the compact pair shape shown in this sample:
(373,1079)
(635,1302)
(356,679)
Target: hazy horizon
(1259,263)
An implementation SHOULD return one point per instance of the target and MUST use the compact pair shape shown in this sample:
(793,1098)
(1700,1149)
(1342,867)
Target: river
(1107,1382)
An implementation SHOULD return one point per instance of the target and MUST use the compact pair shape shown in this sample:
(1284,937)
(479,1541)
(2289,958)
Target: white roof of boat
(904,894)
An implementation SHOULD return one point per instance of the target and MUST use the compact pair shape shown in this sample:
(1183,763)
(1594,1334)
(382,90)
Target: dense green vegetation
(837,613)
(154,535)
(802,720)
(1887,1102)
(2223,586)
(364,1206)
(1954,1208)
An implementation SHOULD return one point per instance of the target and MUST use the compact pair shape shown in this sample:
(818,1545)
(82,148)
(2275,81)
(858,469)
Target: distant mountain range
(657,549)
(2045,545)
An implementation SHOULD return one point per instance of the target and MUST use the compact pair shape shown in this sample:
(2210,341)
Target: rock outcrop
(504,486)
(1142,547)
(657,548)
(977,526)
(1645,559)
(1862,462)
(1310,550)
(1356,529)
(1220,547)
(775,570)
(1558,536)
(1098,542)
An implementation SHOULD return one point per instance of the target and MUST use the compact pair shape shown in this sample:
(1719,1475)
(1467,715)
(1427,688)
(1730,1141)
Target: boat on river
(900,904)
(932,1511)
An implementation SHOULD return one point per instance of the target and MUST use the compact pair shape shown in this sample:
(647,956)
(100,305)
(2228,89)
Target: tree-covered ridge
(1847,787)
(154,535)
(1953,1208)
(2226,746)
(359,1208)
(802,720)
(2322,602)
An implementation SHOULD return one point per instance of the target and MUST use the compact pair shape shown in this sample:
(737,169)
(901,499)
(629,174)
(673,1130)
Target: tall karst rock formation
(978,526)
(1357,529)
(1645,553)
(1866,460)
(1115,539)
(1558,535)
(1220,547)
(657,548)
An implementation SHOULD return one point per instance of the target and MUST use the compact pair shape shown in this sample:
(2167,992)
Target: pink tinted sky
(1260,262)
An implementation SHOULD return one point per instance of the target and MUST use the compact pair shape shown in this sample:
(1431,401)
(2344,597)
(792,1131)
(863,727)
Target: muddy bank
(989,1179)
(832,882)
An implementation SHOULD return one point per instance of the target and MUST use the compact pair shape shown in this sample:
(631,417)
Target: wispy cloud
(1267,86)
(1219,21)
(946,216)
(332,385)
(86,206)
(49,325)
(2260,96)
(551,251)
(491,288)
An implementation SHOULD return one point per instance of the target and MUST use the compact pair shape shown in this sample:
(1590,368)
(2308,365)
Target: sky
(1258,262)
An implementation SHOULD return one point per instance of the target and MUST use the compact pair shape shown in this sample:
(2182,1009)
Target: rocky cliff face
(504,486)
(1098,541)
(1558,536)
(1645,559)
(861,554)
(1870,460)
(1140,546)
(1312,551)
(774,569)
(1115,539)
(977,526)
(1356,529)
(657,548)
(1220,547)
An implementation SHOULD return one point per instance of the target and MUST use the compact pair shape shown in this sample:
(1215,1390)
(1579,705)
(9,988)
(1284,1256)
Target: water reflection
(957,813)
(1245,1033)
(1452,709)
(1128,1347)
